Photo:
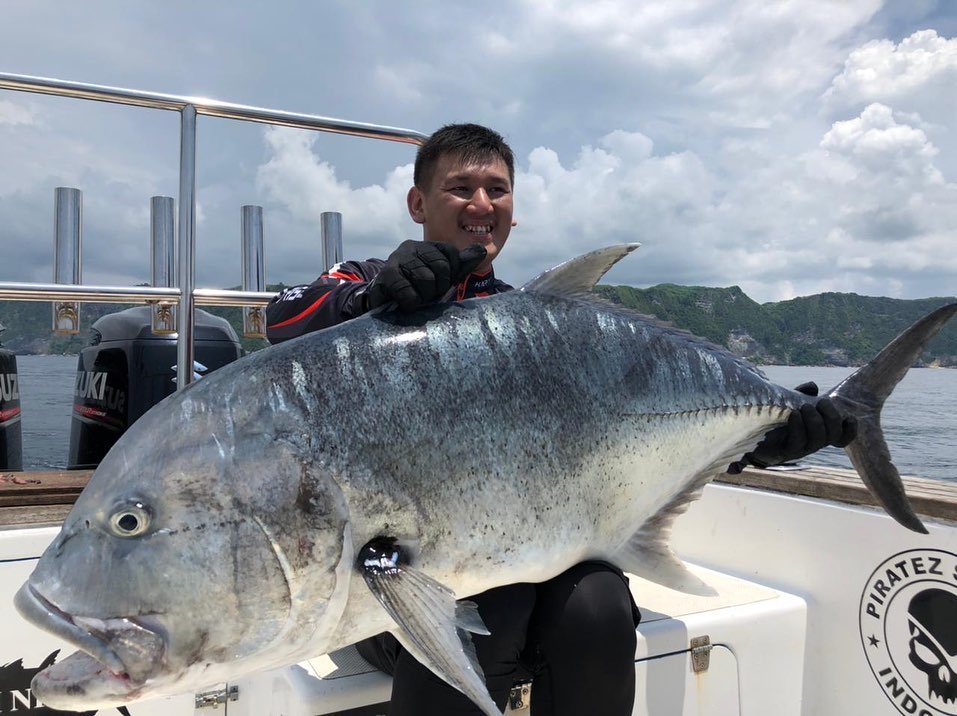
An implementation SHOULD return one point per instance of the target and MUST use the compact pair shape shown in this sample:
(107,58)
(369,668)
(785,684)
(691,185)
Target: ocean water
(46,402)
(919,419)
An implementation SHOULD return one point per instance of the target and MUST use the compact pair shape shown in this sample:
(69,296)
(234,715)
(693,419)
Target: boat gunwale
(37,498)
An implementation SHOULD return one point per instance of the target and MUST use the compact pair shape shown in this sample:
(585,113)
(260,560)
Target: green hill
(825,329)
(847,329)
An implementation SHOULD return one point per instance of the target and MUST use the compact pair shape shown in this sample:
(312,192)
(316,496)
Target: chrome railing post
(187,245)
(67,253)
(254,269)
(331,229)
(162,257)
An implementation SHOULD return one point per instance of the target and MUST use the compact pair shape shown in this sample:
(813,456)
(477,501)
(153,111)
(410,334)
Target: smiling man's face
(465,203)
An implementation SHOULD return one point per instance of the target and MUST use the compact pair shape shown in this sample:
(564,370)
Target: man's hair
(467,142)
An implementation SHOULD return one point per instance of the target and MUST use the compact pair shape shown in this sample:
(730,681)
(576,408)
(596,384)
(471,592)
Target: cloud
(12,113)
(877,140)
(893,189)
(921,70)
(617,192)
(742,64)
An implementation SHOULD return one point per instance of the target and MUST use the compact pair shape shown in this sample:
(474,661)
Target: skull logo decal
(933,642)
(908,628)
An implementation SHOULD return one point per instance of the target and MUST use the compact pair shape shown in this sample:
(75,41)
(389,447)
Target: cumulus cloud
(619,191)
(876,139)
(894,191)
(921,68)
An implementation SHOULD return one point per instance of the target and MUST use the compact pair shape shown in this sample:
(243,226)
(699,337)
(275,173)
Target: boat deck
(34,499)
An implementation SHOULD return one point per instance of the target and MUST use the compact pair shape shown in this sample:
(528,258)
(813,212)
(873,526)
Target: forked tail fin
(862,394)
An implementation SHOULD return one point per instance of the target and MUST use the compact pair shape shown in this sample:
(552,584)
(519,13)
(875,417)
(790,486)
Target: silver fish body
(495,440)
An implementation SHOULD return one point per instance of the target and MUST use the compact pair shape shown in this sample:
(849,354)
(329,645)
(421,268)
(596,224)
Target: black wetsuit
(573,634)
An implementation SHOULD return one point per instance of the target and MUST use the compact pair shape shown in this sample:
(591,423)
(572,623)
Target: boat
(823,606)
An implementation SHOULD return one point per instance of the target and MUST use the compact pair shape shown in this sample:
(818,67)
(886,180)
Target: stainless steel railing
(185,295)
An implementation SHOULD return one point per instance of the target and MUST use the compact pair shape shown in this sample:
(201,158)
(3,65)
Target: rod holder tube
(162,261)
(254,269)
(67,255)
(331,228)
(186,276)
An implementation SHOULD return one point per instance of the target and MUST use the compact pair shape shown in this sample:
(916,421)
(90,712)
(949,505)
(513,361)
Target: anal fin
(648,553)
(433,626)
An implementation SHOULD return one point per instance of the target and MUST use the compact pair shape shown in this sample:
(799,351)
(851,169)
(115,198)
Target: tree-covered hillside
(825,329)
(847,329)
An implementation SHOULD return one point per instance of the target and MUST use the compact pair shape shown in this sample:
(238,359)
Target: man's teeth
(478,229)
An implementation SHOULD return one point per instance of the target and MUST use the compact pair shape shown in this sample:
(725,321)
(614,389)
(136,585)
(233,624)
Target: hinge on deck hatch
(700,653)
(216,697)
(520,695)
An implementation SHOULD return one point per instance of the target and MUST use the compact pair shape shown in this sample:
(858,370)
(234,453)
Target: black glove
(810,428)
(421,272)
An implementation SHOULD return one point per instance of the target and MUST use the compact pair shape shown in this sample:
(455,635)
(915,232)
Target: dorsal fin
(579,275)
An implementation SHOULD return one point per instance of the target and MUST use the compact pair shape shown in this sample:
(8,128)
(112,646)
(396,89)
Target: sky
(786,147)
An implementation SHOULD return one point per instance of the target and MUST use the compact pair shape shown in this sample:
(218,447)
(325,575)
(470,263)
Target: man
(575,632)
(463,198)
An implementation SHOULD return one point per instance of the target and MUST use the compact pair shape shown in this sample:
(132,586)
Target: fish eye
(130,520)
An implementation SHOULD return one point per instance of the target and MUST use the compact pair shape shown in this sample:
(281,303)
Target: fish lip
(39,610)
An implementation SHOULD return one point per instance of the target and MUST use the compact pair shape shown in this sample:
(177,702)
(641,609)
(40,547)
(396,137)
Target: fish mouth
(116,655)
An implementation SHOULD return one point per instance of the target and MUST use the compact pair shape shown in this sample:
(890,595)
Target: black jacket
(334,297)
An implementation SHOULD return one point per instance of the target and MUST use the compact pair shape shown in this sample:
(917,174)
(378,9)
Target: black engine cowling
(11,450)
(127,370)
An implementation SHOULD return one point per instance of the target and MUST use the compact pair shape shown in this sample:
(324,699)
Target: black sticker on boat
(17,697)
(908,623)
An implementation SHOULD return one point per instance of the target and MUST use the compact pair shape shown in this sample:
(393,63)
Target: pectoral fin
(434,627)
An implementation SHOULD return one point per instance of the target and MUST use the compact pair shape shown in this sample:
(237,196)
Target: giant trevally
(370,476)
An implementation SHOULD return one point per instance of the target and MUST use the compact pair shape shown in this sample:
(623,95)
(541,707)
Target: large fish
(366,477)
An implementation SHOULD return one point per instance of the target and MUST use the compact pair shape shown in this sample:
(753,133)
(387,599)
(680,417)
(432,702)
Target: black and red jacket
(334,297)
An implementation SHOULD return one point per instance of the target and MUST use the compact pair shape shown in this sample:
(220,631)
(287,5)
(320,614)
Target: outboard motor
(11,451)
(127,369)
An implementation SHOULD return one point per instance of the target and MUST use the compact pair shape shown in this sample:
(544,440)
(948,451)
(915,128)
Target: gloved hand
(421,272)
(810,428)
